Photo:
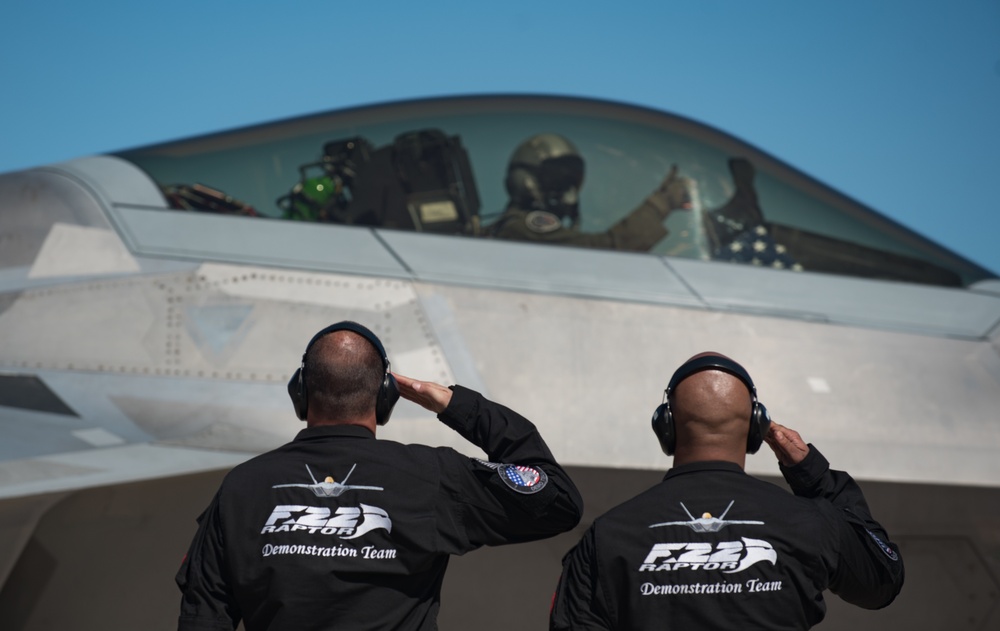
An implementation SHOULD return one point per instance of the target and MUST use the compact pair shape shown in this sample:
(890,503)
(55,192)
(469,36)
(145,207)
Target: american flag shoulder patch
(522,478)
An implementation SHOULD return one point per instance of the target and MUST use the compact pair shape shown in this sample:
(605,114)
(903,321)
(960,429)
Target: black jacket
(284,546)
(711,547)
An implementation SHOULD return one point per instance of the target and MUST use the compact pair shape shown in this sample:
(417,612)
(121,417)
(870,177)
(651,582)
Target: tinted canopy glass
(462,166)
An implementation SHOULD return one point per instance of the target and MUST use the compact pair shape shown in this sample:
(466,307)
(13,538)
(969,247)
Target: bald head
(711,409)
(343,374)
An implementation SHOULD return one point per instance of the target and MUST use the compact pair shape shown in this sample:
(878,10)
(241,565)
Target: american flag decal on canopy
(755,246)
(738,232)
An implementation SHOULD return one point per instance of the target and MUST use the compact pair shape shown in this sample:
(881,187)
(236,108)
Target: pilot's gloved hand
(676,192)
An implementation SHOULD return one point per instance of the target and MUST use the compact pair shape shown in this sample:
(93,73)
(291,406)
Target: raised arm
(870,572)
(519,494)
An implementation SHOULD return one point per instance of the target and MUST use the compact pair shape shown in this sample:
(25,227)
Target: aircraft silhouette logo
(329,487)
(708,523)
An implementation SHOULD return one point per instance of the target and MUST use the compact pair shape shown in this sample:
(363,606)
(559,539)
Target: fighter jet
(329,487)
(155,301)
(708,523)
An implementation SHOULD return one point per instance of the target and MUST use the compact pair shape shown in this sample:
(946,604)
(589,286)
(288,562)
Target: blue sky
(894,102)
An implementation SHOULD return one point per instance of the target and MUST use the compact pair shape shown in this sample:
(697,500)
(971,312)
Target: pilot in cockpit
(544,177)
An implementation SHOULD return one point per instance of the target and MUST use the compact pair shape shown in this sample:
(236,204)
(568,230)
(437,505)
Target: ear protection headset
(663,421)
(388,392)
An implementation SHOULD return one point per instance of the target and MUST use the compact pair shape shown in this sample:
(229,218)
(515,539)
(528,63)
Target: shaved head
(711,409)
(343,374)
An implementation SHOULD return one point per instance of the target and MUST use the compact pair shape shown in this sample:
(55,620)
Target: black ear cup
(760,423)
(388,392)
(663,421)
(296,390)
(663,427)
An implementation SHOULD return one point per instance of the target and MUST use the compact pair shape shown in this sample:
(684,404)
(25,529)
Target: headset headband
(363,331)
(710,362)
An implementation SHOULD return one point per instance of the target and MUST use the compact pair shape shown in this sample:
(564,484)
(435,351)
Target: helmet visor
(561,174)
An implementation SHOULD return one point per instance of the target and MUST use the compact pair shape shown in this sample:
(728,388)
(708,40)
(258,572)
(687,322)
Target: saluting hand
(429,395)
(786,444)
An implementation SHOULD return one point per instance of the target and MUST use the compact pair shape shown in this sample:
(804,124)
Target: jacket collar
(331,431)
(706,465)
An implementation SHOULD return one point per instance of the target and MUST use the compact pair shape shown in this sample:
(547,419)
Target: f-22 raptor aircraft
(154,302)
(707,522)
(329,487)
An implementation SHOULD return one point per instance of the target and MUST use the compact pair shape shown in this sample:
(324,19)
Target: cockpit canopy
(441,166)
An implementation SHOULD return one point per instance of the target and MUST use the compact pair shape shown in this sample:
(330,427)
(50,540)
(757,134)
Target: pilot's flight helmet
(546,173)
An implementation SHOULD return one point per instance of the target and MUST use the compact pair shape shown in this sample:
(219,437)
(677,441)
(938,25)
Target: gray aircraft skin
(147,340)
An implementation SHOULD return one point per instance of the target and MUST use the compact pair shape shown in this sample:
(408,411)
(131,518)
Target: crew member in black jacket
(711,547)
(337,530)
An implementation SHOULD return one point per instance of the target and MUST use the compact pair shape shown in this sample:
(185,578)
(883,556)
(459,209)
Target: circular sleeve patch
(889,552)
(542,222)
(523,479)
